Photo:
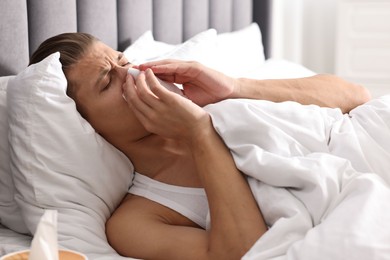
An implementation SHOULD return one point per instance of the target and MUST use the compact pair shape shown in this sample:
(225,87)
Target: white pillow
(283,69)
(200,47)
(58,160)
(145,48)
(240,53)
(10,215)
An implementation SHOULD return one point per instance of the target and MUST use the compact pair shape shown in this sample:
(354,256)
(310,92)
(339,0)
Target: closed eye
(122,60)
(107,86)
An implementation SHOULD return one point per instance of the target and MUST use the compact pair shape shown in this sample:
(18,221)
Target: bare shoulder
(142,228)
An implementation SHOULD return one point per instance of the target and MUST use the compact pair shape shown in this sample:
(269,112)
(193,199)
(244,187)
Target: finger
(126,91)
(140,109)
(135,66)
(145,92)
(171,66)
(130,91)
(158,90)
(150,64)
(166,69)
(143,88)
(139,115)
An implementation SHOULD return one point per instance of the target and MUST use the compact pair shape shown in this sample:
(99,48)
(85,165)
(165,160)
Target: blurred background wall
(349,38)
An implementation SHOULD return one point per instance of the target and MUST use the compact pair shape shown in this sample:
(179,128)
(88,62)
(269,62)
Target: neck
(165,160)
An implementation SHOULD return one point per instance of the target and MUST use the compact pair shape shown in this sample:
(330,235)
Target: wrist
(201,133)
(238,89)
(249,88)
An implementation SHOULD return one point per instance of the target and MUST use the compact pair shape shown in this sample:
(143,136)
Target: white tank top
(189,202)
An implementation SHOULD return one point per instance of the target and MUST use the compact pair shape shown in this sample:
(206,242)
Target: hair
(72,47)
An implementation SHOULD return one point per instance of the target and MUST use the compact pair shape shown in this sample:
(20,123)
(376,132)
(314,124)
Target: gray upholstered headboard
(24,24)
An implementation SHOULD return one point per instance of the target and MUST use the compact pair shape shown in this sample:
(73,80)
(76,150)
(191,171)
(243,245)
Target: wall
(303,31)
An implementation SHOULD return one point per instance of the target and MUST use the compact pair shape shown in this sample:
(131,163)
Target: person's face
(96,83)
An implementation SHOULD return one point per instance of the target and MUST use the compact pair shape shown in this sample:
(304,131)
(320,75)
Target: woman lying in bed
(183,167)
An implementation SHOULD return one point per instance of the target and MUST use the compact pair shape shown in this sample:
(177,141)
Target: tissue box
(62,255)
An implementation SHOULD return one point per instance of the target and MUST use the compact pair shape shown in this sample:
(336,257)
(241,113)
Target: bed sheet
(12,241)
(305,228)
(321,178)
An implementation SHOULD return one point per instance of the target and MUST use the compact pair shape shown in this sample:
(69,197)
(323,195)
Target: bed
(45,165)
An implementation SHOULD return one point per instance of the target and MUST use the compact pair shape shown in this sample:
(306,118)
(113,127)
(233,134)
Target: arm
(236,221)
(204,85)
(322,90)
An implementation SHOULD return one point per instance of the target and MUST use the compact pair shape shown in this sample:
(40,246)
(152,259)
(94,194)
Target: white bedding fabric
(325,186)
(12,241)
(85,207)
(321,178)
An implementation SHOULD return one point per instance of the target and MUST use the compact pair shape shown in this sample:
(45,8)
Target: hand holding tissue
(168,85)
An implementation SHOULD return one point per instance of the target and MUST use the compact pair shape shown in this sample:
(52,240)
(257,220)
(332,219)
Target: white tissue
(170,86)
(45,244)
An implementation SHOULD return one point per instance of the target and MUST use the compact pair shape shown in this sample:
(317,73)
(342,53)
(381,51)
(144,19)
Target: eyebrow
(105,71)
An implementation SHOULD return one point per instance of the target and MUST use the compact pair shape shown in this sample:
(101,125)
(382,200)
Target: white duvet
(321,178)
